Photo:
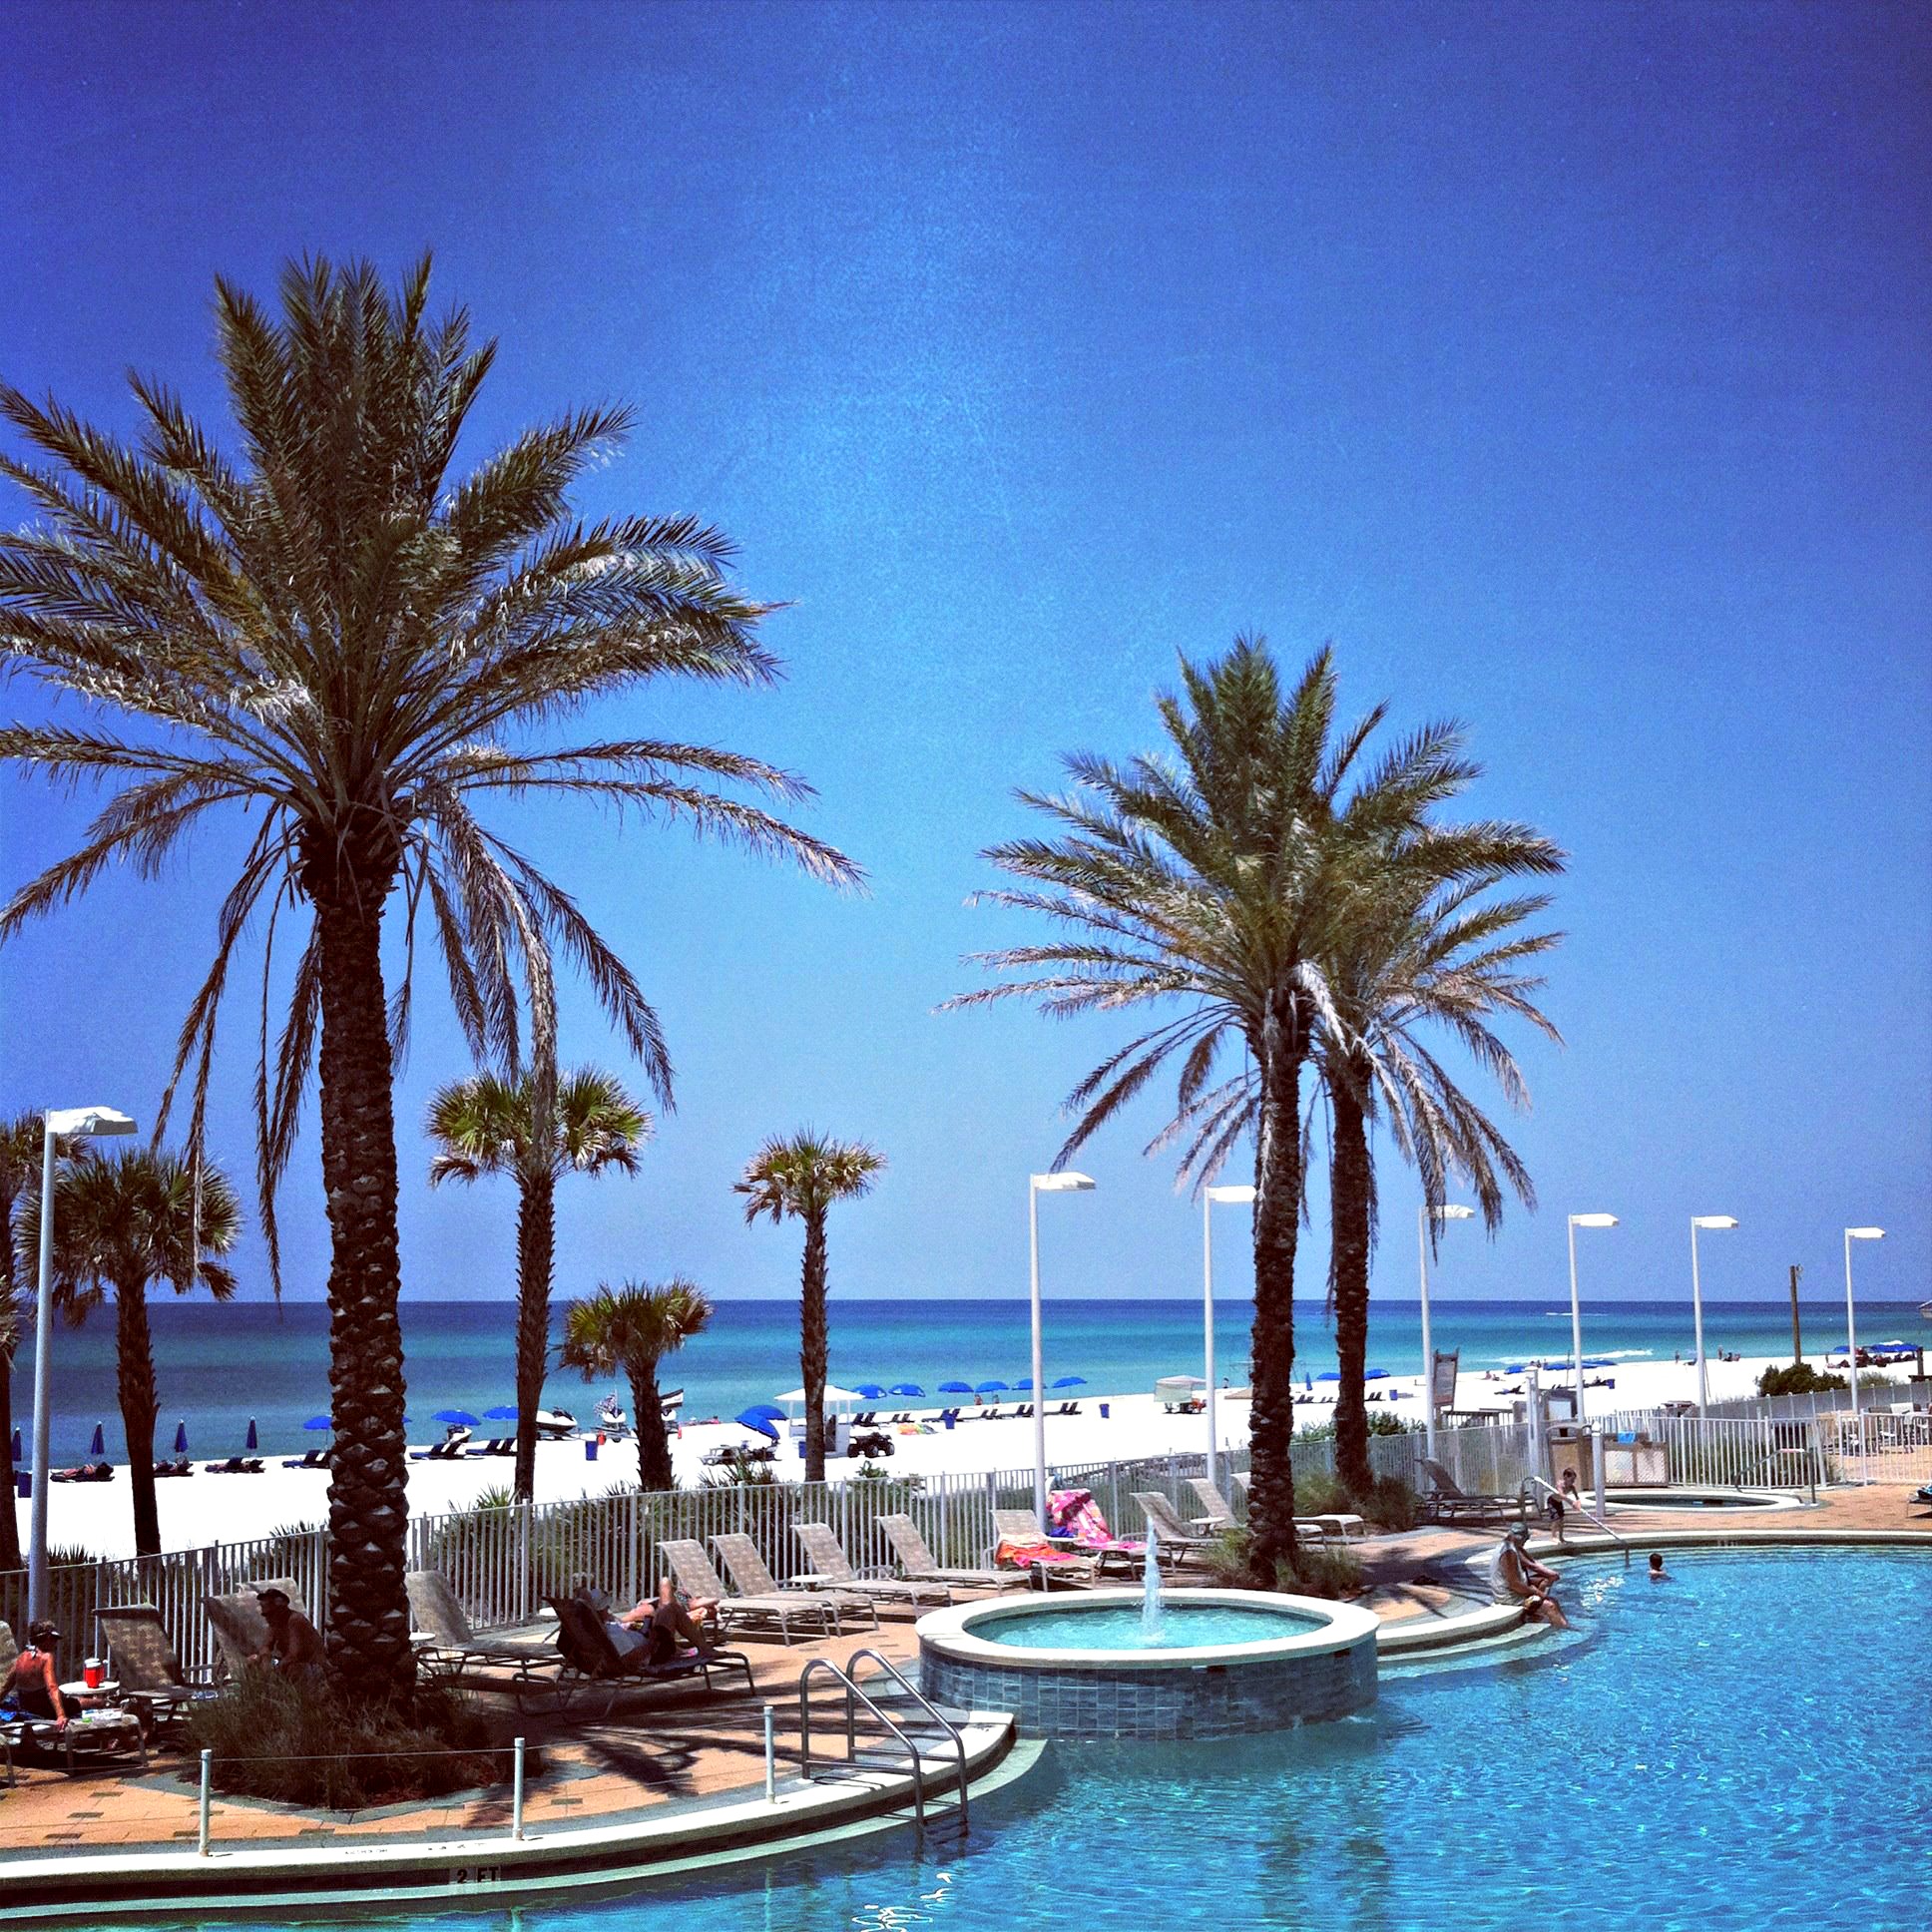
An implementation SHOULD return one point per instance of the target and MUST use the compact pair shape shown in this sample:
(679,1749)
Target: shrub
(308,1742)
(1391,1502)
(1226,1560)
(1796,1378)
(1320,1494)
(1319,1570)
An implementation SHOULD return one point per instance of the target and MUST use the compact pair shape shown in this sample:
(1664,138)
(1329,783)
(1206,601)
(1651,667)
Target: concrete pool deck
(673,1771)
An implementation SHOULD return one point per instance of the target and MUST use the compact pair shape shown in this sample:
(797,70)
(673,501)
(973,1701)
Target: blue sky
(1565,366)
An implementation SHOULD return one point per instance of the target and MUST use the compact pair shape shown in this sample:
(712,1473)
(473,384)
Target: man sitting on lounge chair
(1516,1577)
(662,1622)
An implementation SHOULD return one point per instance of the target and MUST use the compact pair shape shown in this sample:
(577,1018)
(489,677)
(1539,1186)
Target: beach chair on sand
(145,1664)
(588,1657)
(693,1571)
(454,1647)
(1176,1537)
(236,1620)
(748,1570)
(1446,1503)
(831,1567)
(919,1565)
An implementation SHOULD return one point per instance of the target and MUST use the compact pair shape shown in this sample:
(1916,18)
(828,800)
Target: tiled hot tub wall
(1169,1701)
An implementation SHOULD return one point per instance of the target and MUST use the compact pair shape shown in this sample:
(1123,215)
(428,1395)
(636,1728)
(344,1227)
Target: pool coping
(476,1869)
(950,1633)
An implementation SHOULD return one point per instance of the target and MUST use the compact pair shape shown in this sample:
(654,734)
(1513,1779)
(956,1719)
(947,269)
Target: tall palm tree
(802,1176)
(629,1331)
(122,1225)
(331,632)
(488,1124)
(21,1151)
(1218,876)
(1421,959)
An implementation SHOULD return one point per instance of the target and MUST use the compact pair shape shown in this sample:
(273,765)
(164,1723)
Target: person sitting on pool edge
(294,1646)
(1658,1572)
(1516,1577)
(32,1687)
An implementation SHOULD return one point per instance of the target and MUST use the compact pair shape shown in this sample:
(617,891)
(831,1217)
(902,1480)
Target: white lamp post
(72,1124)
(1455,1210)
(1227,1197)
(1038,1185)
(1696,1300)
(1575,1308)
(1851,1319)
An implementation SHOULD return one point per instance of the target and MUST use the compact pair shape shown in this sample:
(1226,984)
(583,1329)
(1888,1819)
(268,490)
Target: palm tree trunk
(654,1441)
(812,1345)
(1348,1248)
(368,1512)
(536,1250)
(134,1364)
(1277,1212)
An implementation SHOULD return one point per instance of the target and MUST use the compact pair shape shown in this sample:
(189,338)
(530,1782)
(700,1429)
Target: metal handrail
(1588,1515)
(853,1694)
(926,1704)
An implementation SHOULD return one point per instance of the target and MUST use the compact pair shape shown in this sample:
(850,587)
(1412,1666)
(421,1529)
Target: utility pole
(1797,1345)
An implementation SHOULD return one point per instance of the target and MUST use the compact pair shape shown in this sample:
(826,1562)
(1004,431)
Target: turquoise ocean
(219,1367)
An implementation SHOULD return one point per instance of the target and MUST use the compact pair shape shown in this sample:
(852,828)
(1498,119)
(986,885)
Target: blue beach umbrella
(872,1391)
(955,1389)
(1375,1375)
(180,1438)
(989,1388)
(1071,1381)
(98,1446)
(770,1411)
(458,1418)
(907,1388)
(1026,1384)
(1329,1376)
(503,1412)
(254,1441)
(1517,1368)
(319,1422)
(761,1419)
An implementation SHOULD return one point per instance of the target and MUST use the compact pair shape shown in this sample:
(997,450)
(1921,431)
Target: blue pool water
(1744,1747)
(1182,1626)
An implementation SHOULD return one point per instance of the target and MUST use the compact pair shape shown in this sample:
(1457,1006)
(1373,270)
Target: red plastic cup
(94,1673)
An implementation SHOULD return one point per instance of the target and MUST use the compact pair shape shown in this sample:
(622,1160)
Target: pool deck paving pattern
(677,1746)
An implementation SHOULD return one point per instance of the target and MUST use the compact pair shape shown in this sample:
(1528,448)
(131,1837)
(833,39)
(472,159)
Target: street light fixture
(1038,1185)
(60,1123)
(1452,1210)
(1575,1308)
(1696,1300)
(1230,1196)
(1851,1320)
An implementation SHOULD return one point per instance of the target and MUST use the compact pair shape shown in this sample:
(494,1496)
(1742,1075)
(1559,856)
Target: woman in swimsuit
(34,1683)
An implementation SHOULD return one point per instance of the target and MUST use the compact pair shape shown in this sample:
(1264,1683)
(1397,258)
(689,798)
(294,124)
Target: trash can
(23,1482)
(1102,1411)
(949,1418)
(590,1447)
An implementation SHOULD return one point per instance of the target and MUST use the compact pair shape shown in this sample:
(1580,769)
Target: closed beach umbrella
(319,1422)
(180,1438)
(98,1446)
(457,1418)
(955,1389)
(907,1388)
(1071,1381)
(761,1419)
(254,1441)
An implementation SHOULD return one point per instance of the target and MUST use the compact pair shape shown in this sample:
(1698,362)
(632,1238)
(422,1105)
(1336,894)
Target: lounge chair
(1218,1511)
(753,1578)
(534,1660)
(180,1467)
(314,1459)
(235,1466)
(1446,1503)
(241,1632)
(87,1472)
(832,1568)
(695,1577)
(588,1657)
(147,1668)
(919,1565)
(1175,1536)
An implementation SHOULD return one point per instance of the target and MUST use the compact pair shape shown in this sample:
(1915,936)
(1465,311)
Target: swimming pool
(1744,1746)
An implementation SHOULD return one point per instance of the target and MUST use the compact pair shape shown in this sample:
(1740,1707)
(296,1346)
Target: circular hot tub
(1702,1499)
(1085,1665)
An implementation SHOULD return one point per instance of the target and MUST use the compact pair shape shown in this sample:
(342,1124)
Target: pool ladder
(902,1736)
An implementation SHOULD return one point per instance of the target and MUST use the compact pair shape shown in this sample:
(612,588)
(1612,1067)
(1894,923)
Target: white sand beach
(205,1509)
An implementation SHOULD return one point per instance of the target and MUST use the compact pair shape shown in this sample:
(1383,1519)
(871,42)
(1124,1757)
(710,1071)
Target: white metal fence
(503,1562)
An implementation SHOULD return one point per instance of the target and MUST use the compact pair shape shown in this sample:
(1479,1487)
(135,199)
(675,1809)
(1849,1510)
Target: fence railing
(502,1562)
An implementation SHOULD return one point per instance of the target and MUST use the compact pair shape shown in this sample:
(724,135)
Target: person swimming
(1658,1572)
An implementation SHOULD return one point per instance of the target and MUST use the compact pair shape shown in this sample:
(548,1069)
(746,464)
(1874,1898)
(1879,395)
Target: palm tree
(121,1225)
(21,1151)
(1426,957)
(1220,877)
(631,1329)
(487,1125)
(332,633)
(803,1175)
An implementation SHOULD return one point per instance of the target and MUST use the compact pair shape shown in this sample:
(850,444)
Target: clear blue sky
(1566,365)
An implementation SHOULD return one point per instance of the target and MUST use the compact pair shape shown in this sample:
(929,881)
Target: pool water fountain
(1150,1591)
